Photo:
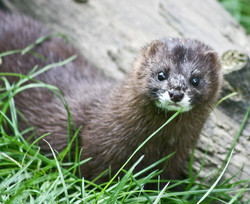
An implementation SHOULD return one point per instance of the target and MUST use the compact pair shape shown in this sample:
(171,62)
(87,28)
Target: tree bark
(109,33)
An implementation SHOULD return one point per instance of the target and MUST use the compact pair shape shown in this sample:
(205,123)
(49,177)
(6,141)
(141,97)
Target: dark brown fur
(116,116)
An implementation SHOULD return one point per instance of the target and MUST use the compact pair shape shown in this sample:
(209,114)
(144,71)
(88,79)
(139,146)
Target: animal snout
(176,96)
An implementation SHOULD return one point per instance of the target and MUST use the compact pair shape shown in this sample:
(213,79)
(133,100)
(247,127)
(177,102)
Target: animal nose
(176,96)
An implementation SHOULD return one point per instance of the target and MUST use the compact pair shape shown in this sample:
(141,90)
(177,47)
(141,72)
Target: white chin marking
(166,103)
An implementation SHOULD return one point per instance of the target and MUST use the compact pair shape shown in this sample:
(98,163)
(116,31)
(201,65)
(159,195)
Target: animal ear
(211,56)
(153,47)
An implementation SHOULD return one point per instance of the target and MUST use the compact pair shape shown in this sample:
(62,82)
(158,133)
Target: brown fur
(116,116)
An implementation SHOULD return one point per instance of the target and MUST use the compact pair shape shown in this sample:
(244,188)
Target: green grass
(240,10)
(27,176)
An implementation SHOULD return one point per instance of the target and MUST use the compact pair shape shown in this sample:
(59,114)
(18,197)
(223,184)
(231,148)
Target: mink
(116,116)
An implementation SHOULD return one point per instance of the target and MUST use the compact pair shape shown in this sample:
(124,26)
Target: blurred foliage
(240,10)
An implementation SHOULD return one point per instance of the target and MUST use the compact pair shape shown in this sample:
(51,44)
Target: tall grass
(240,10)
(28,176)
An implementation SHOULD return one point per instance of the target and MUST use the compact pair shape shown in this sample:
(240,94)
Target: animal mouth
(174,106)
(168,105)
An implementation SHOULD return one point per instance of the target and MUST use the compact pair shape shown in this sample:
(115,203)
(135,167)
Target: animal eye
(161,76)
(195,81)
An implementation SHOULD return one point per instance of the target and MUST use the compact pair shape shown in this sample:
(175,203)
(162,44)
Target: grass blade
(218,179)
(157,200)
(60,172)
(122,183)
